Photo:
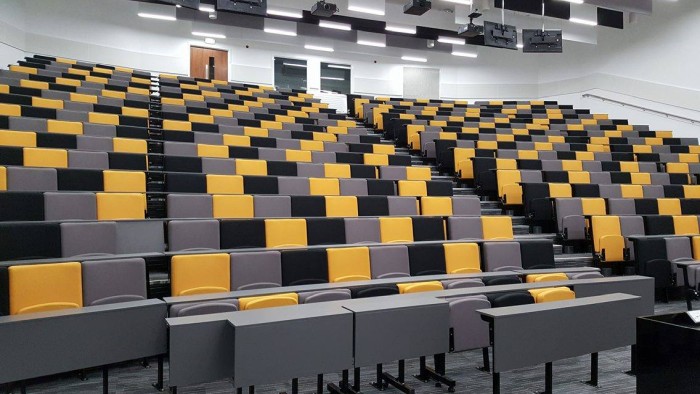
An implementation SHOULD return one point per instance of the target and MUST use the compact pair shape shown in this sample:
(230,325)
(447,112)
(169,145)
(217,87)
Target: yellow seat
(333,170)
(669,206)
(348,264)
(324,187)
(418,174)
(251,167)
(686,225)
(18,138)
(285,232)
(224,184)
(312,145)
(535,278)
(47,103)
(579,177)
(632,191)
(560,190)
(3,178)
(200,274)
(124,181)
(216,151)
(130,145)
(413,188)
(571,165)
(641,178)
(341,206)
(45,287)
(236,140)
(552,294)
(200,118)
(303,156)
(462,258)
(691,191)
(497,227)
(508,184)
(376,159)
(64,127)
(593,206)
(383,149)
(45,157)
(436,206)
(607,238)
(419,287)
(124,206)
(270,301)
(395,229)
(95,117)
(677,168)
(178,125)
(462,162)
(135,112)
(227,206)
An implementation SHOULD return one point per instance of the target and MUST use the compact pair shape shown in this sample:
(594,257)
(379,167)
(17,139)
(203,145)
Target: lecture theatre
(349,196)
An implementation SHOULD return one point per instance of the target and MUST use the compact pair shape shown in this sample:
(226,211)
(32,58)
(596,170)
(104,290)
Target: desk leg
(295,386)
(438,374)
(159,384)
(356,380)
(496,376)
(379,384)
(251,389)
(319,384)
(105,380)
(633,361)
(173,389)
(548,377)
(343,386)
(689,290)
(398,383)
(594,370)
(239,390)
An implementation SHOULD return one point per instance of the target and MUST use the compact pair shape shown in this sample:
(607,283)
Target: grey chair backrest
(311,170)
(592,166)
(140,236)
(112,281)
(193,234)
(402,206)
(607,190)
(256,270)
(501,256)
(22,123)
(631,225)
(84,238)
(600,178)
(653,191)
(362,230)
(309,297)
(466,206)
(70,206)
(531,176)
(272,206)
(464,228)
(678,248)
(660,178)
(621,206)
(551,165)
(182,206)
(94,143)
(396,173)
(323,157)
(293,186)
(218,166)
(647,167)
(353,187)
(88,160)
(29,179)
(272,154)
(208,138)
(203,308)
(389,261)
(567,207)
(179,149)
(469,330)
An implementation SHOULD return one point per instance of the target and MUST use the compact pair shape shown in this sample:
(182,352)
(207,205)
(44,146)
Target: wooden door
(208,63)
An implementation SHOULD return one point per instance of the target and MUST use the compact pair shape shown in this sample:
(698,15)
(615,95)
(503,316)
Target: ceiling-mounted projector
(470,29)
(324,9)
(417,7)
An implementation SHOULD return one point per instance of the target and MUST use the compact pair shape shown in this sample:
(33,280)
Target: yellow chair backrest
(271,301)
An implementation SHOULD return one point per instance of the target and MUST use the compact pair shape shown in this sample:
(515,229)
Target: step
(573,260)
(442,178)
(519,229)
(491,205)
(463,191)
(519,220)
(491,212)
(558,249)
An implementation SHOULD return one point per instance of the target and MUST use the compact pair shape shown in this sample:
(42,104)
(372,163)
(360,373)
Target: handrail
(643,109)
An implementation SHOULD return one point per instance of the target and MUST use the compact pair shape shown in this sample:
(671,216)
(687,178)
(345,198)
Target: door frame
(228,58)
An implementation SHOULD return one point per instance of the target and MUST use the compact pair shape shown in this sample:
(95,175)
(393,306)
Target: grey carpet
(568,376)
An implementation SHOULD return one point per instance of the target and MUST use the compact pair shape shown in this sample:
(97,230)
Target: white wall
(12,27)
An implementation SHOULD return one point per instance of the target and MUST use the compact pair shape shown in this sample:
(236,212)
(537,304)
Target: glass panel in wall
(335,77)
(290,73)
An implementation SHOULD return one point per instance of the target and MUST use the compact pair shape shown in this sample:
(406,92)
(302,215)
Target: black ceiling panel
(611,18)
(552,8)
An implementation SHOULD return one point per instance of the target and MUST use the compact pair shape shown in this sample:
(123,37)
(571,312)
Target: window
(335,77)
(290,73)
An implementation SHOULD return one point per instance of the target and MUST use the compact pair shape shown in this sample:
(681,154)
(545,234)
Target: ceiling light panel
(451,40)
(335,25)
(372,7)
(401,29)
(414,59)
(287,13)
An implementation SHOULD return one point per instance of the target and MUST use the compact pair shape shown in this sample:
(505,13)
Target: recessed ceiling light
(451,40)
(203,34)
(340,66)
(401,29)
(207,8)
(463,2)
(574,1)
(280,32)
(414,59)
(335,25)
(156,16)
(372,43)
(318,48)
(178,6)
(365,10)
(333,78)
(583,21)
(465,54)
(520,45)
(285,13)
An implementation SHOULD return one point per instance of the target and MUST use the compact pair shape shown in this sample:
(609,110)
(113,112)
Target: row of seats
(71,179)
(122,158)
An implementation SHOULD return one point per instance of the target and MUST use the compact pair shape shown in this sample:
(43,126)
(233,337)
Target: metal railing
(643,109)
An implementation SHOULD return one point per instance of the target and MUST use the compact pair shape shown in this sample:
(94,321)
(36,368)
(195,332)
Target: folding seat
(378,187)
(310,170)
(552,294)
(621,206)
(395,229)
(189,206)
(659,225)
(308,206)
(285,232)
(610,191)
(124,181)
(31,179)
(78,239)
(271,301)
(324,187)
(497,227)
(608,240)
(462,258)
(224,184)
(419,287)
(272,206)
(193,235)
(468,330)
(304,267)
(44,157)
(680,249)
(69,206)
(341,206)
(22,206)
(348,264)
(200,274)
(653,191)
(426,259)
(44,287)
(570,220)
(325,231)
(113,281)
(401,206)
(513,298)
(436,206)
(121,206)
(374,290)
(537,254)
(88,160)
(256,270)
(389,261)
(501,256)
(260,185)
(427,228)
(232,206)
(413,188)
(361,230)
(553,277)
(394,173)
(464,228)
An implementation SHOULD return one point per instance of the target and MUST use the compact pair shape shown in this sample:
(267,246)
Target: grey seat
(112,281)
(402,206)
(395,173)
(621,206)
(88,160)
(585,275)
(464,228)
(203,308)
(88,238)
(94,143)
(469,330)
(600,178)
(70,206)
(653,191)
(218,166)
(466,206)
(272,206)
(570,220)
(462,283)
(179,149)
(607,190)
(271,154)
(501,256)
(29,179)
(362,230)
(256,270)
(189,206)
(629,226)
(679,249)
(353,187)
(193,234)
(311,170)
(389,261)
(293,186)
(309,297)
